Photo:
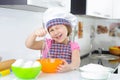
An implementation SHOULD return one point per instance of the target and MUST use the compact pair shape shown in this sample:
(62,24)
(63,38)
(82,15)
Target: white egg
(36,64)
(18,63)
(27,64)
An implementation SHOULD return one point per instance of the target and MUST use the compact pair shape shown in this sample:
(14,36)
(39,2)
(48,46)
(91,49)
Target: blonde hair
(69,28)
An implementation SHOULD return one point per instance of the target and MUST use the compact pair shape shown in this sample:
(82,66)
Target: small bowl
(49,65)
(25,73)
(115,50)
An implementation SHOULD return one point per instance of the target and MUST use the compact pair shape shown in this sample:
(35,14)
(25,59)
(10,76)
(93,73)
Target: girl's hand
(64,67)
(40,32)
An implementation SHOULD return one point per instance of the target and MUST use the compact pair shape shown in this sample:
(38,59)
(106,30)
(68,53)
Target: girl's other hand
(40,32)
(64,67)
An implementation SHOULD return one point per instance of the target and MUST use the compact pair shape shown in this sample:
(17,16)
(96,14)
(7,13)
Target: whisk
(45,45)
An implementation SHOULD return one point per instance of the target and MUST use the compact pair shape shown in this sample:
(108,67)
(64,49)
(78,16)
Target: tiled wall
(16,25)
(100,40)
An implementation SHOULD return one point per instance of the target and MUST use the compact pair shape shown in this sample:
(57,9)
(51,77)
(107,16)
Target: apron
(62,51)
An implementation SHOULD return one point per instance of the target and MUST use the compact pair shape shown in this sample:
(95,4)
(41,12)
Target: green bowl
(26,73)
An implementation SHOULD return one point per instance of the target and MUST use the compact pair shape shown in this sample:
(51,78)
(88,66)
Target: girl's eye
(50,30)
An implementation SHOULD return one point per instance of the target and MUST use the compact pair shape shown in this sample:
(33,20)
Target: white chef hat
(58,15)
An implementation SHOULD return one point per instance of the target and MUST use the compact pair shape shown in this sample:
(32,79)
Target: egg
(18,63)
(27,64)
(36,63)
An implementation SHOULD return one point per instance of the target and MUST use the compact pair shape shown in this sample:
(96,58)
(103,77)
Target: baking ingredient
(95,71)
(95,68)
(27,64)
(18,62)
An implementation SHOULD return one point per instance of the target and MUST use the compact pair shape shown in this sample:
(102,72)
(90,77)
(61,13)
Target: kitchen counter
(72,75)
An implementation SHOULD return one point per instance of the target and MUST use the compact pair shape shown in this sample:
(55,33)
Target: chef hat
(58,15)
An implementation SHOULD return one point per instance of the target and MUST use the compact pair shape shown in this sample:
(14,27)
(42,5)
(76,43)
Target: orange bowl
(49,65)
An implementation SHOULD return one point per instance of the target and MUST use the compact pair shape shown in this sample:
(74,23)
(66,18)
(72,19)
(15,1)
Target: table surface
(72,75)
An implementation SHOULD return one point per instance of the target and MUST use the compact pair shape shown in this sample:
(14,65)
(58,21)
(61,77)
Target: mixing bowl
(24,73)
(49,65)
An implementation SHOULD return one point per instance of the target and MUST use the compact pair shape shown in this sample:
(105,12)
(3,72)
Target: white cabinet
(66,4)
(29,5)
(32,5)
(116,9)
(99,8)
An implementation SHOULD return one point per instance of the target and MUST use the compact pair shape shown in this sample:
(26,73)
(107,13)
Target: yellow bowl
(115,50)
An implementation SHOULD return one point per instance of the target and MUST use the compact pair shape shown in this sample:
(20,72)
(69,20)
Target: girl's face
(59,33)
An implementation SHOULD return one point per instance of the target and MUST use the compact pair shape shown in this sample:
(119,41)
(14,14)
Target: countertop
(72,75)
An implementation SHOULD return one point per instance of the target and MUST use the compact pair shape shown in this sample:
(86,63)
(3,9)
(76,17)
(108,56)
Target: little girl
(59,26)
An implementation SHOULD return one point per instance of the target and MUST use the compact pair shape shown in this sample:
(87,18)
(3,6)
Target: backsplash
(99,40)
(16,25)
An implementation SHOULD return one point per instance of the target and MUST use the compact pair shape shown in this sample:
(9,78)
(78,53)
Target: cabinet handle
(97,13)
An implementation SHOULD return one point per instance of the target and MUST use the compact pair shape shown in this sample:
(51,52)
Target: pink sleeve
(47,47)
(74,46)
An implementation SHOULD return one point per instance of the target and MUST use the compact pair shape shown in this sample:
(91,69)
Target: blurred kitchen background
(16,25)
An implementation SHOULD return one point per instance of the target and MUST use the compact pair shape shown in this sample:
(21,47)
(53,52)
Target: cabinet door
(99,8)
(45,3)
(66,4)
(116,10)
(93,8)
(107,8)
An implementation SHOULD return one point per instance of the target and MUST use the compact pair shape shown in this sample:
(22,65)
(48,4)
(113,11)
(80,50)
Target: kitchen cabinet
(28,5)
(31,5)
(98,8)
(66,4)
(35,5)
(116,11)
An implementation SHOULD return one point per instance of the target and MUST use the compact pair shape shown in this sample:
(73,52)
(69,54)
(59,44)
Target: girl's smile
(58,36)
